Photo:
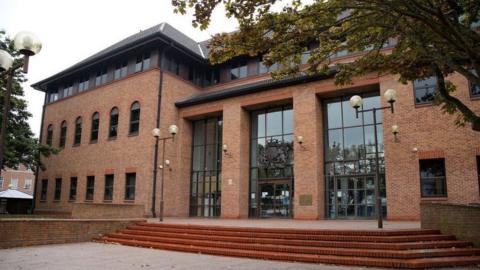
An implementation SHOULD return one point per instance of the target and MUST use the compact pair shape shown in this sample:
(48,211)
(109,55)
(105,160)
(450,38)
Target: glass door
(354,196)
(275,199)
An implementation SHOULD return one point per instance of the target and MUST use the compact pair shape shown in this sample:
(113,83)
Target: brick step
(385,232)
(310,243)
(310,258)
(329,237)
(376,253)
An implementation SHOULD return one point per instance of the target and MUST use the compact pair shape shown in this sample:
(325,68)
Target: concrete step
(310,243)
(376,253)
(301,257)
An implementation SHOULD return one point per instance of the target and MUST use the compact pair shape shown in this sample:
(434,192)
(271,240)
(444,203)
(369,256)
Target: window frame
(424,87)
(2,180)
(113,123)
(29,186)
(94,130)
(62,140)
(238,65)
(77,135)
(143,62)
(129,188)
(83,84)
(121,70)
(72,194)
(57,195)
(435,178)
(101,77)
(134,122)
(109,187)
(90,188)
(49,139)
(44,190)
(14,180)
(471,86)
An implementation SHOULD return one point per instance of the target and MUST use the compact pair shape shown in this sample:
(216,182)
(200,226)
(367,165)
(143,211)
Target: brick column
(235,176)
(309,199)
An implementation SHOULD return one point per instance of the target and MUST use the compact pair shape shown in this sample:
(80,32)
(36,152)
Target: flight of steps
(387,248)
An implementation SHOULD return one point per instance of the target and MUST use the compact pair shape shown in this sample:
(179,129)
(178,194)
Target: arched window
(112,133)
(77,137)
(63,134)
(95,126)
(134,118)
(49,134)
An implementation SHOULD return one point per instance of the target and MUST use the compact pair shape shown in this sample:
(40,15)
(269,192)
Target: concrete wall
(29,232)
(461,220)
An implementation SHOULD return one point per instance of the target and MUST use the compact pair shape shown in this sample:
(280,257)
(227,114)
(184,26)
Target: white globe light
(395,129)
(356,101)
(390,95)
(156,132)
(173,129)
(6,60)
(27,43)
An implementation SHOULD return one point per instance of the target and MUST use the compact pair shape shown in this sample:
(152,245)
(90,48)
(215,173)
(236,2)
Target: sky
(71,31)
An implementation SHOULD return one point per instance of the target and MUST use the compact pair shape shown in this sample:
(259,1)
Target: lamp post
(27,44)
(356,102)
(173,129)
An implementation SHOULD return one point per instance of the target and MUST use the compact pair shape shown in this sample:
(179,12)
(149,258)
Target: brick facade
(423,128)
(24,179)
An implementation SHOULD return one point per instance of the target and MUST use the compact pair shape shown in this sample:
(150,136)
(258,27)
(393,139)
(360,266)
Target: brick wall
(104,210)
(461,220)
(29,232)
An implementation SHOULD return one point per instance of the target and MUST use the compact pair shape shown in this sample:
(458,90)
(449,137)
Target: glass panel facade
(271,162)
(350,158)
(205,187)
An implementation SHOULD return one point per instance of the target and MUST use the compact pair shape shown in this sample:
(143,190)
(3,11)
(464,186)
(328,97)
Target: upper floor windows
(134,118)
(63,134)
(78,131)
(95,126)
(264,69)
(120,70)
(171,64)
(143,62)
(83,84)
(212,76)
(101,77)
(112,131)
(238,70)
(68,90)
(53,96)
(424,90)
(474,88)
(49,134)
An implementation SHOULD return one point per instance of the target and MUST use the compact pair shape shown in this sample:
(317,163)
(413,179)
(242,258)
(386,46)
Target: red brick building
(20,179)
(247,146)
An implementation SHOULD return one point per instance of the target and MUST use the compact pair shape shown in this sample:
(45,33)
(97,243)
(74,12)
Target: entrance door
(355,196)
(275,199)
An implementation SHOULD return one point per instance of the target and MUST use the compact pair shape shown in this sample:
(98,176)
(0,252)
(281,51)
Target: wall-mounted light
(395,131)
(300,140)
(167,162)
(225,148)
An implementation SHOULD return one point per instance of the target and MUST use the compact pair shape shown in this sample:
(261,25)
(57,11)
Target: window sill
(89,201)
(76,145)
(426,199)
(133,134)
(476,97)
(112,138)
(56,201)
(129,201)
(93,142)
(423,105)
(71,200)
(107,201)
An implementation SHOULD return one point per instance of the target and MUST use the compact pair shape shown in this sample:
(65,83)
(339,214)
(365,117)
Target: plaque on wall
(306,200)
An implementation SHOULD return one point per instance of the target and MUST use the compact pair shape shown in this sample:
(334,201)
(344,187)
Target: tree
(21,147)
(433,38)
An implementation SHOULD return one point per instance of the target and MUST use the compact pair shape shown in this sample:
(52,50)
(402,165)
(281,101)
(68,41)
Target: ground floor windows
(90,188)
(205,187)
(130,179)
(58,189)
(271,162)
(432,178)
(108,193)
(73,189)
(43,191)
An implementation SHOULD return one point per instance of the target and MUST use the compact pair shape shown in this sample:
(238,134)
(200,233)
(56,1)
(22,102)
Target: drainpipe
(39,141)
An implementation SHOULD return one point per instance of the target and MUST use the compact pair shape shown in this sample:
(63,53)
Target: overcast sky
(73,30)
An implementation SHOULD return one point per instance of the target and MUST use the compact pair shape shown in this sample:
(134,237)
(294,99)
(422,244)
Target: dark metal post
(6,110)
(162,180)
(378,200)
(155,166)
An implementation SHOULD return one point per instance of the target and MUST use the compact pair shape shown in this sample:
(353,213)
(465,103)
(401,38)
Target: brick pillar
(235,176)
(309,199)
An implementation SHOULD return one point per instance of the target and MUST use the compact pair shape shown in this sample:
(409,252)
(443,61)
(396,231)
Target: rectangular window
(63,135)
(262,69)
(432,178)
(14,183)
(113,125)
(1,182)
(95,125)
(53,97)
(90,188)
(474,88)
(130,186)
(43,191)
(58,189)
(72,196)
(83,84)
(68,90)
(108,194)
(212,77)
(28,184)
(238,70)
(171,64)
(120,70)
(143,62)
(424,90)
(101,77)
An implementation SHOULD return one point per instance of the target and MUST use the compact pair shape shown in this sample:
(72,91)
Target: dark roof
(163,30)
(251,88)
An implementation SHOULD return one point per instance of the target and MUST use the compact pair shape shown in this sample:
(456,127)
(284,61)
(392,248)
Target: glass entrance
(354,197)
(274,199)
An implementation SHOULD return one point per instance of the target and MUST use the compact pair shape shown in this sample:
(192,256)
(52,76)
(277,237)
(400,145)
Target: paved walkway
(298,224)
(96,256)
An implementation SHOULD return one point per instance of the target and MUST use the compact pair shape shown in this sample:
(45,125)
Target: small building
(15,202)
(20,179)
